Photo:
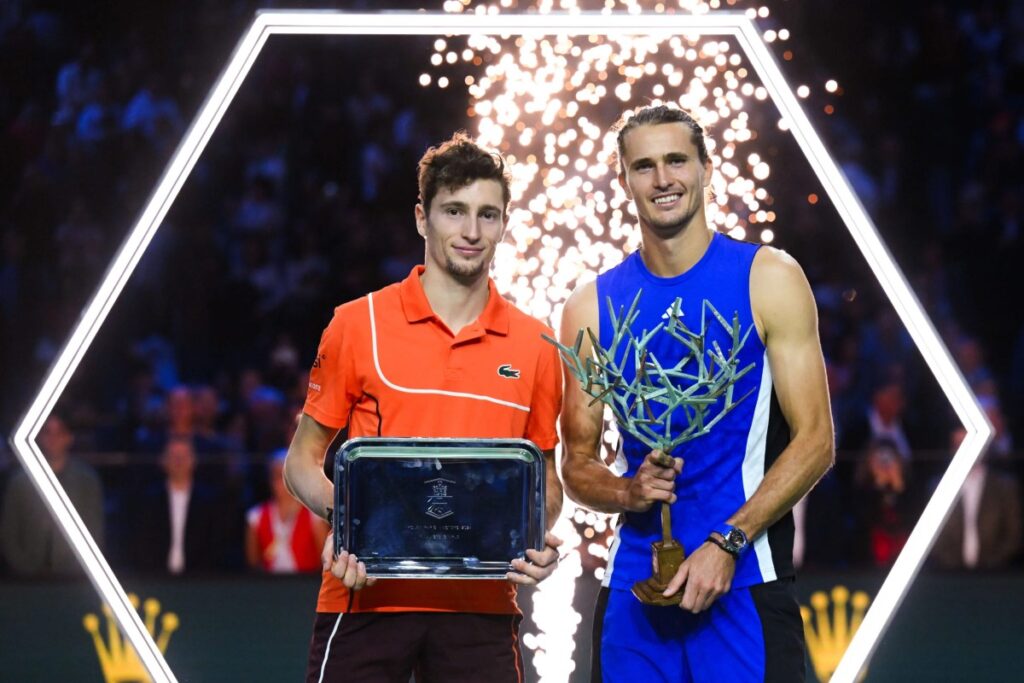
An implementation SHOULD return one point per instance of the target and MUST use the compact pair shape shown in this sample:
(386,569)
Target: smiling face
(664,176)
(462,229)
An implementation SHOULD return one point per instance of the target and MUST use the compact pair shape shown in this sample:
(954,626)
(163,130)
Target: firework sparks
(547,102)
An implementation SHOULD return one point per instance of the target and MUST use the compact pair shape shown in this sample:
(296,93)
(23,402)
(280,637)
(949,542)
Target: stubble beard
(465,273)
(673,227)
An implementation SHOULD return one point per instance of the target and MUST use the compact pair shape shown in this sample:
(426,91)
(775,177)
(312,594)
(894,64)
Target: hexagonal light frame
(734,25)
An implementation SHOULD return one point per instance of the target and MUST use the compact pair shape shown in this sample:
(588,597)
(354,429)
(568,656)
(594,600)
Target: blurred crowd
(929,128)
(169,436)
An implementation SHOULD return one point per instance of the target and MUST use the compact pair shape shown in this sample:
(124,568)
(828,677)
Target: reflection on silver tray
(439,508)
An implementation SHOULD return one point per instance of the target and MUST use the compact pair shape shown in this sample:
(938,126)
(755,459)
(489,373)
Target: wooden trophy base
(666,557)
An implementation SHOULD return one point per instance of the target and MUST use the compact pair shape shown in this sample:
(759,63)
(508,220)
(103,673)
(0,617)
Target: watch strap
(720,542)
(731,539)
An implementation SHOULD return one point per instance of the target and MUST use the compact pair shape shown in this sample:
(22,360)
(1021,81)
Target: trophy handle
(666,523)
(666,556)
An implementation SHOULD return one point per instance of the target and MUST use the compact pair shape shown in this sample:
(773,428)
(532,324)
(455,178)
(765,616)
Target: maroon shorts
(388,647)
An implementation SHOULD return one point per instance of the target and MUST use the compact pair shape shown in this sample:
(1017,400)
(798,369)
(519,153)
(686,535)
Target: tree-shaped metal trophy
(700,385)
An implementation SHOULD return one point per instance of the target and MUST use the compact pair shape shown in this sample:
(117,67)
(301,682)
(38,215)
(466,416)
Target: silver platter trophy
(700,385)
(438,508)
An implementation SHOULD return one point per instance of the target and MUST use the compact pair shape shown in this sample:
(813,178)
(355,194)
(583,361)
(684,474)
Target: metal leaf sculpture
(644,406)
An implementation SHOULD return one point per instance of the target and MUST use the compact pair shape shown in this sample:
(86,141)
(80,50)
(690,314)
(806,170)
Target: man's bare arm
(304,467)
(786,317)
(784,308)
(588,481)
(552,490)
(304,476)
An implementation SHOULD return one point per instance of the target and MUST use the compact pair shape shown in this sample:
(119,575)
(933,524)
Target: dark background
(303,199)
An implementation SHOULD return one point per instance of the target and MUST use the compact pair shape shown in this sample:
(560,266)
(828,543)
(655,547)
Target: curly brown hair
(456,163)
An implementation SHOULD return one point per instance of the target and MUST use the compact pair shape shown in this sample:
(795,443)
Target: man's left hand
(704,576)
(345,566)
(538,564)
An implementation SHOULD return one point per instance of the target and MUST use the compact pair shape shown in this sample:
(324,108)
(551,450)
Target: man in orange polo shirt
(440,354)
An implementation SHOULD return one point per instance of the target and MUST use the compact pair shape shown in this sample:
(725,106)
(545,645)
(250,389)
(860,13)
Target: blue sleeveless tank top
(723,468)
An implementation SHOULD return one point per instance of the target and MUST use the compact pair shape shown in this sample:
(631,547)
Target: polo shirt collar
(494,318)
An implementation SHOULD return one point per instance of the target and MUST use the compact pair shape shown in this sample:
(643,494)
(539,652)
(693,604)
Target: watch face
(736,539)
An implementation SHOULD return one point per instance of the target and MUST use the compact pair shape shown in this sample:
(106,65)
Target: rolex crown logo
(829,636)
(118,659)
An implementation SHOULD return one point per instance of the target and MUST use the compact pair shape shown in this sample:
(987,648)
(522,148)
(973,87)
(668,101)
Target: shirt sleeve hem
(324,418)
(546,444)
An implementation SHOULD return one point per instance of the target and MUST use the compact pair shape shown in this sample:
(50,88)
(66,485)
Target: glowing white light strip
(23,440)
(732,24)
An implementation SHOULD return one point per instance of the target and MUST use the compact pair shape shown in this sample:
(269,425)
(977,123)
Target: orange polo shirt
(387,366)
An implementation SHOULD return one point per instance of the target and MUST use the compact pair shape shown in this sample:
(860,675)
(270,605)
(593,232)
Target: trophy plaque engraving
(439,508)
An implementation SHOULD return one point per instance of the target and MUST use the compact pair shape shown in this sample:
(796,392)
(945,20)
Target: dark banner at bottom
(950,628)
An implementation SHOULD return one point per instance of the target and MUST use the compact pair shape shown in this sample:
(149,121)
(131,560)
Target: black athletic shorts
(438,647)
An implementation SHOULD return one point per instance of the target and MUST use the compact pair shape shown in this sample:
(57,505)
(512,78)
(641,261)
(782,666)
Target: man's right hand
(345,566)
(653,482)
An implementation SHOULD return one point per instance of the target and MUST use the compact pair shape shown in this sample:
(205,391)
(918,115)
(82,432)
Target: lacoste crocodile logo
(508,371)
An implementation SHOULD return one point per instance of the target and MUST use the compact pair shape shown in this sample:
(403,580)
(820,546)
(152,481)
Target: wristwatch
(733,540)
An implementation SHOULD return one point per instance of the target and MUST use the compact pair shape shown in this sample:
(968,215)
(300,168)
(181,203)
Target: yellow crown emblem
(118,659)
(828,637)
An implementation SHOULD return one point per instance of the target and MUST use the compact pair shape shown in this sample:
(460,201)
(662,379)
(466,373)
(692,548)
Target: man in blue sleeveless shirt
(738,620)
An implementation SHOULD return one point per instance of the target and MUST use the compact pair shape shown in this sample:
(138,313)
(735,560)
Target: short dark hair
(456,163)
(652,115)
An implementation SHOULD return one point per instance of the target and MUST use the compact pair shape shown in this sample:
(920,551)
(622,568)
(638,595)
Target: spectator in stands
(282,536)
(984,529)
(97,123)
(268,417)
(153,114)
(206,413)
(33,546)
(180,414)
(76,82)
(971,359)
(172,419)
(1001,448)
(179,519)
(886,509)
(884,420)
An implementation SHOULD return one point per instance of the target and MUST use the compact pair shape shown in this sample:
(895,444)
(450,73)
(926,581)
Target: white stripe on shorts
(327,650)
